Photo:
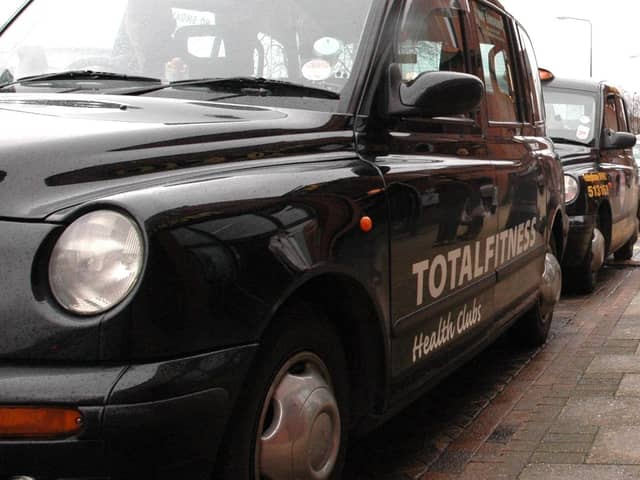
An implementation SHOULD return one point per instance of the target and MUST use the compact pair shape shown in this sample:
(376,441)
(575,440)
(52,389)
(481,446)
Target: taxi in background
(589,125)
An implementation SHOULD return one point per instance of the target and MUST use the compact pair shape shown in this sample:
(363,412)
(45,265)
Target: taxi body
(231,238)
(589,125)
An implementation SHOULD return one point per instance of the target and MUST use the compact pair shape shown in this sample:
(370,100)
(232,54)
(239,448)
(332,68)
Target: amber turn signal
(39,422)
(545,75)
(366,224)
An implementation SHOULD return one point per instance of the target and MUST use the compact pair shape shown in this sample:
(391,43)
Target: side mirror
(433,94)
(612,140)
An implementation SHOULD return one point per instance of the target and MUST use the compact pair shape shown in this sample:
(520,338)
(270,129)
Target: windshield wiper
(80,75)
(568,141)
(260,87)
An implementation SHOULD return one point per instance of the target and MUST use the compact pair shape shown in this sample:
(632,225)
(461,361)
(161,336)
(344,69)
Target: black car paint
(217,250)
(243,208)
(178,406)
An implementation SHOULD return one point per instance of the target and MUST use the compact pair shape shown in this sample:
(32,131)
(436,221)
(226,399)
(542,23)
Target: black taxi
(231,237)
(588,122)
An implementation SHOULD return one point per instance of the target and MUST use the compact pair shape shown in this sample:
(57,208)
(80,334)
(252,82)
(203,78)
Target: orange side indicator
(366,224)
(39,422)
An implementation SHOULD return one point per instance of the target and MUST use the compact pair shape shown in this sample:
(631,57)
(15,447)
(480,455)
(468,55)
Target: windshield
(301,41)
(571,115)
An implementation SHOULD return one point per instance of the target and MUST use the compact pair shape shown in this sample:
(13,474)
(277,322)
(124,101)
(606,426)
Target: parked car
(588,123)
(233,237)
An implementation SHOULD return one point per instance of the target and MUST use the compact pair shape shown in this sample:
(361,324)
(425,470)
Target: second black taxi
(589,125)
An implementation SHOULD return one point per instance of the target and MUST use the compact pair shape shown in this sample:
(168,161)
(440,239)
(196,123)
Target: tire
(626,252)
(301,363)
(582,279)
(532,329)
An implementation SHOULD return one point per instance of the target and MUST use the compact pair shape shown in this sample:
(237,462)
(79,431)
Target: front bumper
(579,239)
(160,420)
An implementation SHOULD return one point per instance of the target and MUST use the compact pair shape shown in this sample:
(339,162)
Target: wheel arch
(348,305)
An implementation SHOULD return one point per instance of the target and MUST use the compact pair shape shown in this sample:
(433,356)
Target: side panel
(522,182)
(620,167)
(226,250)
(443,221)
(523,216)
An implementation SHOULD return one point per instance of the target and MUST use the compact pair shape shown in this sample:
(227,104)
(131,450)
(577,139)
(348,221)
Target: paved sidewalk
(570,410)
(574,410)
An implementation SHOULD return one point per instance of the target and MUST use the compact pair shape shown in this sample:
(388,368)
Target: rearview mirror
(612,140)
(433,94)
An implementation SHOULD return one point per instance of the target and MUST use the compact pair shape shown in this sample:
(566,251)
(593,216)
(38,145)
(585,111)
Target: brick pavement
(570,410)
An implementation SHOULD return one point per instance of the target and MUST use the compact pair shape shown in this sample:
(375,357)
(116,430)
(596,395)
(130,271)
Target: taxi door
(443,206)
(621,169)
(516,148)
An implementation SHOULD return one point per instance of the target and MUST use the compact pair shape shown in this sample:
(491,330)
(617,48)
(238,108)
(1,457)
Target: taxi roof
(497,3)
(580,84)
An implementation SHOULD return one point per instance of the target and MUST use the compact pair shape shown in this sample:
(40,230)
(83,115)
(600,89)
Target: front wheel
(584,277)
(291,419)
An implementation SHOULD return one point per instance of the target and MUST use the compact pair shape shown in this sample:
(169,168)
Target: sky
(7,7)
(562,46)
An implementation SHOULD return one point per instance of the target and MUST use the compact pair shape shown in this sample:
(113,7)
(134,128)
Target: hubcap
(597,250)
(299,430)
(551,283)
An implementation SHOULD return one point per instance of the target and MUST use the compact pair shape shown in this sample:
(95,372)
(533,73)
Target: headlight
(96,262)
(571,189)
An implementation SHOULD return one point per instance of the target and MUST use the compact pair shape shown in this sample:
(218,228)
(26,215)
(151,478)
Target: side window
(430,39)
(497,64)
(532,74)
(622,116)
(632,102)
(610,114)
